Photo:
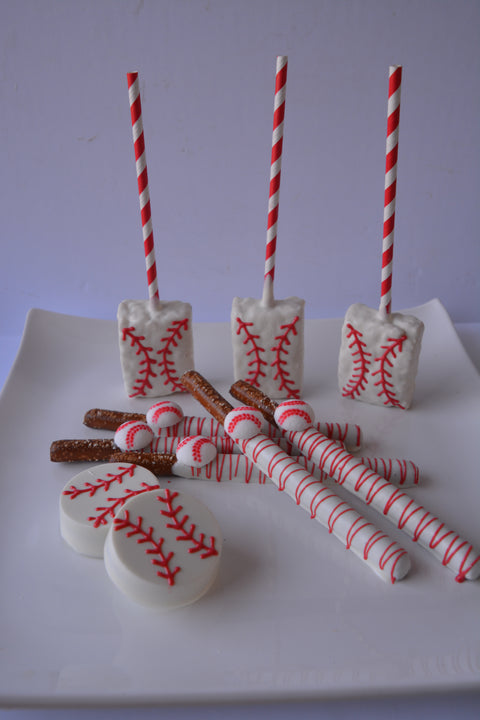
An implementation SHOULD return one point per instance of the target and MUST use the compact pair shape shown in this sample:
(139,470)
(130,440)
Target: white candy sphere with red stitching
(133,435)
(196,451)
(294,415)
(244,422)
(164,414)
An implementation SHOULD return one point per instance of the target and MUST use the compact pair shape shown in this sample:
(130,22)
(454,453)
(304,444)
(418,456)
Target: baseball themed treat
(348,434)
(162,458)
(267,334)
(133,435)
(155,337)
(90,500)
(384,556)
(380,350)
(383,496)
(163,549)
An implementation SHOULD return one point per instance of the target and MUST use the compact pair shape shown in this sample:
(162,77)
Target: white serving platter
(293,614)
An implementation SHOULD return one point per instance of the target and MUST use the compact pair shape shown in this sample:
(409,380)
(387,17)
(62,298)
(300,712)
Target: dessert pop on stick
(267,334)
(425,528)
(384,556)
(155,337)
(379,349)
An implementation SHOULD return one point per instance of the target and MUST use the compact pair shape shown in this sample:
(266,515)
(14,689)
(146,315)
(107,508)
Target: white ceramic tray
(293,614)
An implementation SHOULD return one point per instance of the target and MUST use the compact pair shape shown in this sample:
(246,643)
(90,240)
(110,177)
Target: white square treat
(268,344)
(379,356)
(156,346)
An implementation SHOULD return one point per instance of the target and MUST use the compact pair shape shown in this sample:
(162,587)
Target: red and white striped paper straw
(142,180)
(275,171)
(393,119)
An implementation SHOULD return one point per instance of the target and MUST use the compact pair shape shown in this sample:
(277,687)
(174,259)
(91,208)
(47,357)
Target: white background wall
(70,227)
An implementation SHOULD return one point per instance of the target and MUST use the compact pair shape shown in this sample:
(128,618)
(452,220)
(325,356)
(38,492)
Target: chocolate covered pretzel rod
(347,433)
(384,556)
(397,506)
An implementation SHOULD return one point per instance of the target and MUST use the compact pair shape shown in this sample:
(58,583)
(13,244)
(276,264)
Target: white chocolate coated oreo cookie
(163,549)
(89,501)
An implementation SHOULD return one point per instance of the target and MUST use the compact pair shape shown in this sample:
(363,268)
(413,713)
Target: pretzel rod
(384,556)
(401,472)
(101,419)
(81,450)
(225,467)
(109,419)
(397,506)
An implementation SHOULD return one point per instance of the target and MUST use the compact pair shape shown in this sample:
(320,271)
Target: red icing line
(164,409)
(322,495)
(360,357)
(102,484)
(294,413)
(281,349)
(131,432)
(256,350)
(172,512)
(241,417)
(116,503)
(167,366)
(141,383)
(386,361)
(343,463)
(146,536)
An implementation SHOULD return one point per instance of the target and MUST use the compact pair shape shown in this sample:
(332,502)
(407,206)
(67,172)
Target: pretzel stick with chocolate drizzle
(423,527)
(384,556)
(101,419)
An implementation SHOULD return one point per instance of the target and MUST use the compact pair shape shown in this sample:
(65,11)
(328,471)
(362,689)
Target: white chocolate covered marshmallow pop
(380,350)
(268,334)
(155,337)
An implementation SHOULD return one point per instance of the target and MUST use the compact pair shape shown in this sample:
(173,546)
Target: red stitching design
(142,383)
(92,488)
(386,361)
(115,503)
(256,372)
(338,463)
(280,349)
(198,545)
(168,366)
(357,383)
(146,536)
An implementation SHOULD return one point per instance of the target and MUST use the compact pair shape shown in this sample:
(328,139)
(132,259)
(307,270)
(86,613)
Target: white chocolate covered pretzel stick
(396,505)
(384,556)
(225,467)
(102,419)
(403,473)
